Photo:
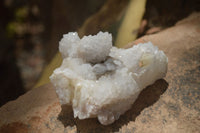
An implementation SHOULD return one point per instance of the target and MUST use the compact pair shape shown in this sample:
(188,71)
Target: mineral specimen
(102,81)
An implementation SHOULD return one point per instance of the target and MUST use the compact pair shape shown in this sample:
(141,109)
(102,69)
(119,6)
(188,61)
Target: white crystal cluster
(102,81)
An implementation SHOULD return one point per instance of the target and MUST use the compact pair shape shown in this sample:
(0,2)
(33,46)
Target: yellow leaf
(131,23)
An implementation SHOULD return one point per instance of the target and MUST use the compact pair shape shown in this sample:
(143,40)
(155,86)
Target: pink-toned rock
(170,105)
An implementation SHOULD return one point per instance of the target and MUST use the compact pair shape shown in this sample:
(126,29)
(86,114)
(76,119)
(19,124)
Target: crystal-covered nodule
(103,81)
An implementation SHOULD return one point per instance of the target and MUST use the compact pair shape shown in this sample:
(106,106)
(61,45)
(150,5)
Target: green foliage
(21,14)
(17,25)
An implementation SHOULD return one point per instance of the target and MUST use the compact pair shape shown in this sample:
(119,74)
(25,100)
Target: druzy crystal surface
(103,81)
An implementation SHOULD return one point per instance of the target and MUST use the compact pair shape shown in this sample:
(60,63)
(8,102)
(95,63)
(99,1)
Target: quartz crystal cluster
(103,81)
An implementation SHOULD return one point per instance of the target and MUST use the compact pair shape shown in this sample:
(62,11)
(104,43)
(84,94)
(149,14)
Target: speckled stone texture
(171,105)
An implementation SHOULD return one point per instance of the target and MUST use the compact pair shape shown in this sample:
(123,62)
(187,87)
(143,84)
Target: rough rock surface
(170,105)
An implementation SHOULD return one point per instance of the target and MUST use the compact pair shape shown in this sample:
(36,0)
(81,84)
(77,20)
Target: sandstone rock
(170,105)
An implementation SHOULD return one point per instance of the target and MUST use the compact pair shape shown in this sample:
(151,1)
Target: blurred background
(31,29)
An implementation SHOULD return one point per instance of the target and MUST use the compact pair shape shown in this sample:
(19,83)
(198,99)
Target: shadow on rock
(147,97)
